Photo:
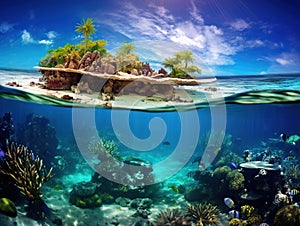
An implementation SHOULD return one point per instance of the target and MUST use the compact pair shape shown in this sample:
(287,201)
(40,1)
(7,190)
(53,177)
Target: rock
(162,71)
(85,189)
(124,202)
(84,195)
(134,72)
(8,207)
(195,194)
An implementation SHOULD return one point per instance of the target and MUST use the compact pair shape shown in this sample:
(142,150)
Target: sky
(227,37)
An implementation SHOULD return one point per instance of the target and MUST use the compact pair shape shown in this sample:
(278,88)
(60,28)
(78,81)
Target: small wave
(249,97)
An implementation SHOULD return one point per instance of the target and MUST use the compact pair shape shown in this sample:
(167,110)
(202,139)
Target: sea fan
(204,213)
(172,217)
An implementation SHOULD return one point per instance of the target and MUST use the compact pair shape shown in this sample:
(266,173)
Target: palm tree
(126,48)
(170,63)
(87,28)
(186,57)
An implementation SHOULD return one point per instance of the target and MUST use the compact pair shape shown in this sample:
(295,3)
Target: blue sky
(227,37)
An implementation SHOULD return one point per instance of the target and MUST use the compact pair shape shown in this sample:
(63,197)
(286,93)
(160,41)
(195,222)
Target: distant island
(89,67)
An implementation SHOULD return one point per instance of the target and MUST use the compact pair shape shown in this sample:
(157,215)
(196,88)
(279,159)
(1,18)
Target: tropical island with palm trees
(88,67)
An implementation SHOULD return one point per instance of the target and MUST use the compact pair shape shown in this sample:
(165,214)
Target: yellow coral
(247,210)
(235,222)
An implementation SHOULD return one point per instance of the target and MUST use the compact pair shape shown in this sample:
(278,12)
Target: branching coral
(27,170)
(247,210)
(204,213)
(171,217)
(101,146)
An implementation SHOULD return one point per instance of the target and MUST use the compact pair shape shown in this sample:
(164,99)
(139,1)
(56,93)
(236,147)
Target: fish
(2,155)
(217,151)
(289,157)
(174,188)
(263,224)
(229,202)
(166,143)
(119,208)
(233,165)
(57,188)
(283,137)
(234,214)
(293,192)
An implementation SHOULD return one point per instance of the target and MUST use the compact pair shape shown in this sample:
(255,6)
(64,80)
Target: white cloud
(195,13)
(26,37)
(208,42)
(51,34)
(5,27)
(46,42)
(255,43)
(239,25)
(283,61)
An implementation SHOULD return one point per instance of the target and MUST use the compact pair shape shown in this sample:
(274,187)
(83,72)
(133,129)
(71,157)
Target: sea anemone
(171,217)
(204,213)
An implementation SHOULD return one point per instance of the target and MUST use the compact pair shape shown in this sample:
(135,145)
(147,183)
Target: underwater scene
(150,113)
(82,165)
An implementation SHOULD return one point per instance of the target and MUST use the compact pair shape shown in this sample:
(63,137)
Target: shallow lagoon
(176,144)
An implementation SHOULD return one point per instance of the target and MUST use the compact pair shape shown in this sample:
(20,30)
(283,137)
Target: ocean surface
(174,152)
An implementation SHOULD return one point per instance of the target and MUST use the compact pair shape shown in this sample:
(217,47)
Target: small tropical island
(88,67)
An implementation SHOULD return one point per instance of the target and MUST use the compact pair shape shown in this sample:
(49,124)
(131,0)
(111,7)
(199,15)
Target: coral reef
(104,147)
(29,174)
(38,134)
(247,210)
(84,195)
(171,217)
(8,207)
(203,213)
(6,130)
(287,215)
(235,180)
(235,222)
(27,170)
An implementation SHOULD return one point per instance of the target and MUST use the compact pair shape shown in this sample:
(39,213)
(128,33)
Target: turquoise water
(168,148)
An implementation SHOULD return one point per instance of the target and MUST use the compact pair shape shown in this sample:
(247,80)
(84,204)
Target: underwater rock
(38,134)
(287,215)
(144,203)
(84,195)
(262,182)
(6,130)
(8,207)
(85,189)
(195,194)
(122,201)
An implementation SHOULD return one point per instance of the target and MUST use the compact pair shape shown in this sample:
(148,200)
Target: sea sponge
(288,215)
(235,180)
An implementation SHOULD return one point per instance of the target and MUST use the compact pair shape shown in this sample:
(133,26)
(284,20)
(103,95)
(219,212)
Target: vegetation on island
(70,55)
(179,64)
